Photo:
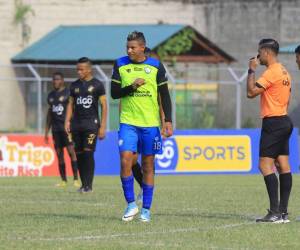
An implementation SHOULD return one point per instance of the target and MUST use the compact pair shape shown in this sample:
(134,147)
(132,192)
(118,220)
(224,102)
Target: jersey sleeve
(100,89)
(116,74)
(266,79)
(161,77)
(72,93)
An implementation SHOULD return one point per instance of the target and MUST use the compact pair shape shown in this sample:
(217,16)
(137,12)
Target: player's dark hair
(58,74)
(270,44)
(297,50)
(84,60)
(136,36)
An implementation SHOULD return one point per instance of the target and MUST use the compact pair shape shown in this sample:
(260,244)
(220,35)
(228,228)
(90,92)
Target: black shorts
(61,139)
(275,135)
(85,140)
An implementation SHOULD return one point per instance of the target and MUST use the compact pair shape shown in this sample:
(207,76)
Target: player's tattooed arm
(253,89)
(102,129)
(48,125)
(69,114)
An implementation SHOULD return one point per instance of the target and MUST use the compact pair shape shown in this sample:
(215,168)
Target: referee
(85,94)
(274,88)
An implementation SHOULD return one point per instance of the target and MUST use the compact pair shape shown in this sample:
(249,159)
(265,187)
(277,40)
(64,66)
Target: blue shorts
(143,140)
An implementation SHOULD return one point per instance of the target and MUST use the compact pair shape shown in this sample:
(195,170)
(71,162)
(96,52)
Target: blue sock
(128,188)
(147,195)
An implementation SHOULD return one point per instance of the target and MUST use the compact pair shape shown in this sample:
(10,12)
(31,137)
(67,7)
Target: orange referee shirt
(277,84)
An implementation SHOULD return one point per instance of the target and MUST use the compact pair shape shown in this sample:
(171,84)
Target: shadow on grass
(225,216)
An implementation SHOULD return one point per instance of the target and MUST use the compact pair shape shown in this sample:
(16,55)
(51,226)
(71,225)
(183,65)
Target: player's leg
(128,139)
(137,170)
(151,144)
(77,138)
(59,146)
(62,167)
(74,165)
(89,160)
(68,143)
(138,176)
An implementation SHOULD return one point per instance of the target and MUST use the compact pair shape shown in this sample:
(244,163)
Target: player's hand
(46,139)
(101,133)
(253,62)
(67,127)
(167,129)
(138,82)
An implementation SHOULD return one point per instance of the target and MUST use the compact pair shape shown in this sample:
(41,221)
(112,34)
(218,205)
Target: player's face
(298,60)
(263,56)
(135,50)
(84,70)
(57,82)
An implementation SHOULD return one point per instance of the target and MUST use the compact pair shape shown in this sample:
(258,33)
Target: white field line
(111,236)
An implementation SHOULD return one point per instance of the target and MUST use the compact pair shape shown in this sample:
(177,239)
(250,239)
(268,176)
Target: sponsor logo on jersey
(58,109)
(86,102)
(76,90)
(61,99)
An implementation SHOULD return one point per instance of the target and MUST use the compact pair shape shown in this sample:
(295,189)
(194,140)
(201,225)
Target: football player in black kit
(85,93)
(57,100)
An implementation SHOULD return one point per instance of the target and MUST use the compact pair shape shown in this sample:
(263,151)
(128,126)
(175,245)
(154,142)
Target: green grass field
(189,212)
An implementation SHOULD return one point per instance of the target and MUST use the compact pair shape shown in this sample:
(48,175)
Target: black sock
(74,169)
(89,168)
(137,173)
(272,188)
(285,190)
(62,171)
(80,168)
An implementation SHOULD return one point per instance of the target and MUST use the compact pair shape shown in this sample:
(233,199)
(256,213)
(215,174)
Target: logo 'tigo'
(86,102)
(168,159)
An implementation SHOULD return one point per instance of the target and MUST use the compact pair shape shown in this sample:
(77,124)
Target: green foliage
(178,44)
(21,14)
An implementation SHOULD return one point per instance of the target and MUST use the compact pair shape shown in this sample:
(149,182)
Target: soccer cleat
(131,210)
(285,218)
(76,183)
(145,215)
(139,198)
(86,190)
(79,190)
(62,184)
(271,217)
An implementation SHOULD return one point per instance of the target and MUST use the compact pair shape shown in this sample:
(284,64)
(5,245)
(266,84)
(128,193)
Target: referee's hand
(253,62)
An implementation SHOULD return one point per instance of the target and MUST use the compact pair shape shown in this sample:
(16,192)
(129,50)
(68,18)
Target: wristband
(250,71)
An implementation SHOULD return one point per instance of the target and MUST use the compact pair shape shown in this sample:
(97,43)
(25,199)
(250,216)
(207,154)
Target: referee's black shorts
(275,135)
(61,139)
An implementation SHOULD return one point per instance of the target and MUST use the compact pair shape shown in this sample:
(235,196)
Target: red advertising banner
(28,155)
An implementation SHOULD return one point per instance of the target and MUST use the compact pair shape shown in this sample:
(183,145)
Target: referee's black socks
(62,171)
(285,190)
(75,169)
(272,188)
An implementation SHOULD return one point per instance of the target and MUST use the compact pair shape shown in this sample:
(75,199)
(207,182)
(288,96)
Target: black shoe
(271,217)
(285,217)
(79,190)
(87,190)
